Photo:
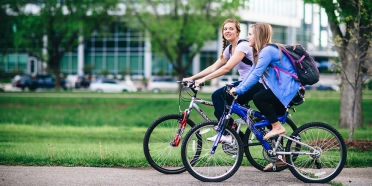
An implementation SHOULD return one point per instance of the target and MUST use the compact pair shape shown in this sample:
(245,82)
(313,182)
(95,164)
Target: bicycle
(314,153)
(165,134)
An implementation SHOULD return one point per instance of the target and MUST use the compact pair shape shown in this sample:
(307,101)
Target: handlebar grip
(229,87)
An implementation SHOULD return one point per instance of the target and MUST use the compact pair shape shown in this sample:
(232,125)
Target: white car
(159,84)
(111,85)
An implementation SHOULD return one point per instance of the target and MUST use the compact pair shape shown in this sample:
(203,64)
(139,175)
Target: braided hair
(224,41)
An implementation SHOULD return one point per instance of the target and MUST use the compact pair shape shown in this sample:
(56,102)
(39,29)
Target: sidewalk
(246,175)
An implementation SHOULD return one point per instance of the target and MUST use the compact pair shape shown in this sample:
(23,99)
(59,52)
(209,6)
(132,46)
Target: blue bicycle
(315,152)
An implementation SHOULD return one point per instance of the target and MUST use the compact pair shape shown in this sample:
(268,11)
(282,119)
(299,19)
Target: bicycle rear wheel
(321,167)
(211,167)
(157,147)
(257,155)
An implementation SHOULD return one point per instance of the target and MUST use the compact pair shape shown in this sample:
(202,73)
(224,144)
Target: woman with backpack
(281,87)
(237,55)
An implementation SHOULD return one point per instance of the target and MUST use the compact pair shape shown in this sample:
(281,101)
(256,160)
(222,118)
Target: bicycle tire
(255,153)
(209,167)
(156,144)
(320,168)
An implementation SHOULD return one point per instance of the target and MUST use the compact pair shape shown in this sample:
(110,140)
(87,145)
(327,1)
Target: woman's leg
(248,96)
(218,102)
(219,98)
(269,105)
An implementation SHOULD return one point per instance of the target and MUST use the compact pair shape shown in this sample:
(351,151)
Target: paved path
(247,175)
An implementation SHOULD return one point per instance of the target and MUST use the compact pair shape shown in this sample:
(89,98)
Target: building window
(207,58)
(280,34)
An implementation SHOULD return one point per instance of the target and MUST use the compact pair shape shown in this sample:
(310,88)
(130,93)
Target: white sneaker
(225,139)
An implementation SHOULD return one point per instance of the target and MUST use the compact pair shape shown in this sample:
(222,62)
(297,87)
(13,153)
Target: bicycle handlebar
(228,88)
(190,84)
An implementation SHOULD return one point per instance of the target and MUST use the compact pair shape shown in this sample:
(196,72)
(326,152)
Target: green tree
(8,26)
(179,29)
(59,27)
(351,25)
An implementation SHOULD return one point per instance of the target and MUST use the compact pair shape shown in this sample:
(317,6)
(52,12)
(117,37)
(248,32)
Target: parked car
(48,82)
(24,81)
(37,82)
(82,82)
(75,81)
(2,87)
(223,80)
(161,84)
(111,85)
(320,86)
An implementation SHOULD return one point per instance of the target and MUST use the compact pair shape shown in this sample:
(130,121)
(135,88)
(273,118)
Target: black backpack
(245,60)
(307,71)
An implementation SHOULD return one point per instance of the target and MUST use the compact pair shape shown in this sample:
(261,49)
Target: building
(129,50)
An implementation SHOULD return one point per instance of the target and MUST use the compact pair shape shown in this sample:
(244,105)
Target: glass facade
(273,7)
(14,62)
(69,63)
(280,34)
(207,58)
(303,35)
(122,50)
(162,67)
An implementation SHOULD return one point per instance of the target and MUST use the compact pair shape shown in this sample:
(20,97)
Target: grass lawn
(91,131)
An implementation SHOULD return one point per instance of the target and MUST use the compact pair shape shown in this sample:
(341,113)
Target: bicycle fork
(181,129)
(220,128)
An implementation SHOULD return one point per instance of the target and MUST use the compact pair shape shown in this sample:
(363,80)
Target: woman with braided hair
(232,57)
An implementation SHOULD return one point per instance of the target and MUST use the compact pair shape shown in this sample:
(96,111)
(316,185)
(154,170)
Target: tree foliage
(8,25)
(58,27)
(351,25)
(179,29)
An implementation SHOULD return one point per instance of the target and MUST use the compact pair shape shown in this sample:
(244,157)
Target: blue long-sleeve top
(281,84)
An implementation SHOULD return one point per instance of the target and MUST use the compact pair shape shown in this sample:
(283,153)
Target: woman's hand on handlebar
(200,82)
(232,91)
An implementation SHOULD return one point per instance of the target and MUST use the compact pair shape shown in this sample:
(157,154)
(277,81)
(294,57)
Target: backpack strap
(277,69)
(245,59)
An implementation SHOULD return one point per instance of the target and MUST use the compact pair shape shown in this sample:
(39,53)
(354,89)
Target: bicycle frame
(194,105)
(315,151)
(243,113)
(186,113)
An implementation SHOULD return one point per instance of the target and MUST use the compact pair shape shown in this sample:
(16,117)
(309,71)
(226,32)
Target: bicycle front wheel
(211,167)
(159,152)
(322,158)
(257,155)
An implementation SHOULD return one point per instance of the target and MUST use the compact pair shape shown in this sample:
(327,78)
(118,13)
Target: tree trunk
(350,97)
(56,70)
